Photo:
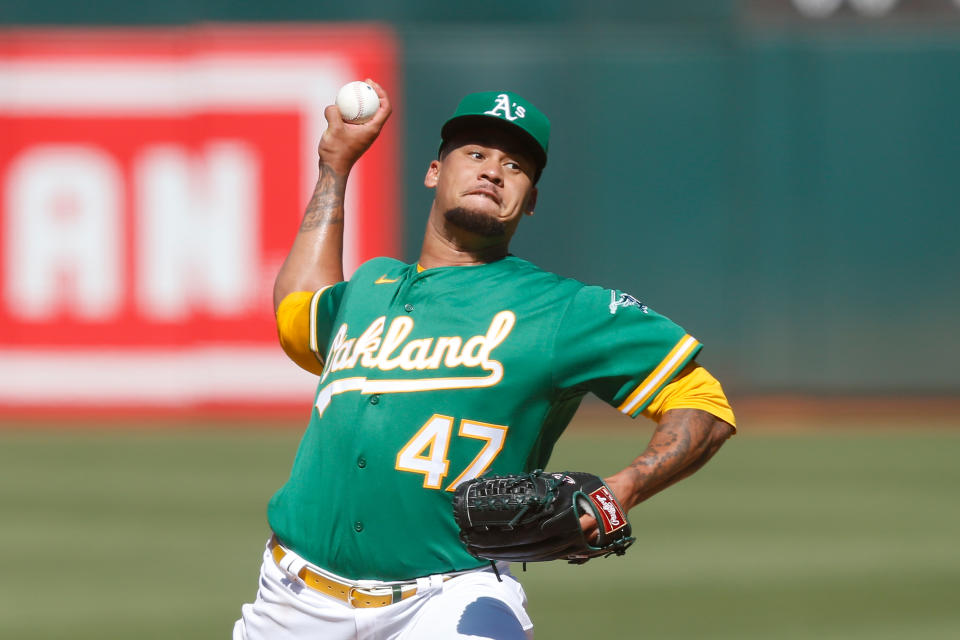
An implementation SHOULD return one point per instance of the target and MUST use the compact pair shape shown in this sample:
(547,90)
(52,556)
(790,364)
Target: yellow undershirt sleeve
(693,388)
(293,328)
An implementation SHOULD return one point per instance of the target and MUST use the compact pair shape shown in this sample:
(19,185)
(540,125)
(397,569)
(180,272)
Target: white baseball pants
(469,605)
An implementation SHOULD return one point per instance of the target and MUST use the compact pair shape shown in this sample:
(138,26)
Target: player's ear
(433,175)
(531,201)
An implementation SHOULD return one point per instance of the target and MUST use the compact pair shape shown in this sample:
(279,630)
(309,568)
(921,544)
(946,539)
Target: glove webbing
(484,503)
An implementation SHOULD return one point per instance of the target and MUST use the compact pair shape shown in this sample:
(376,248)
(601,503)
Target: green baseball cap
(508,109)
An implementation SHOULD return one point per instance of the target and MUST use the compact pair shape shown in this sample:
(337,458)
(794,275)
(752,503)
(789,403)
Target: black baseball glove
(536,516)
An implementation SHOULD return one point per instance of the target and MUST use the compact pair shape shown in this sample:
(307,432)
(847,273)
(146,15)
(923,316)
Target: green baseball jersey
(435,377)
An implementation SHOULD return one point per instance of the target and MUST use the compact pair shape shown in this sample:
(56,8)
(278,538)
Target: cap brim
(455,126)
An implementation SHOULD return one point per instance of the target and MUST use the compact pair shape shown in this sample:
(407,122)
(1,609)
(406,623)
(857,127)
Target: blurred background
(780,177)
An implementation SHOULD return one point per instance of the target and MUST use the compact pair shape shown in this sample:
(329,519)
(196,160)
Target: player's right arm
(316,258)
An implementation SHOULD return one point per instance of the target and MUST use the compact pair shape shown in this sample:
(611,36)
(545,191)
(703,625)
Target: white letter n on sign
(197,230)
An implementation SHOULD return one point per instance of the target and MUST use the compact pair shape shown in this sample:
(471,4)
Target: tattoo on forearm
(326,204)
(671,442)
(682,443)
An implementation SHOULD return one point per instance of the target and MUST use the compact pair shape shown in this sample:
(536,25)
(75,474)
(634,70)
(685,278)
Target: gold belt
(353,596)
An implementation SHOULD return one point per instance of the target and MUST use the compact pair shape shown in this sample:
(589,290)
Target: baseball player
(470,361)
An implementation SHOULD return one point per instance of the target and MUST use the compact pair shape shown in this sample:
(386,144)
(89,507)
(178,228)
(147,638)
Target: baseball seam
(361,105)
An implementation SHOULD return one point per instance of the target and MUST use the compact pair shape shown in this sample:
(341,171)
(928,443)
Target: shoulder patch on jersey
(385,280)
(625,300)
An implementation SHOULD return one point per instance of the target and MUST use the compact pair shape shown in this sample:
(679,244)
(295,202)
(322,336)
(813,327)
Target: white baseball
(357,102)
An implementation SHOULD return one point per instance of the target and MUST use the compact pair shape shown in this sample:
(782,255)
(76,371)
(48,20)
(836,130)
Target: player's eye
(513,166)
(475,154)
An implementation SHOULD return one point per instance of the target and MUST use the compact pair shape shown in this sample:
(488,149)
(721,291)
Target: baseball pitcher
(442,388)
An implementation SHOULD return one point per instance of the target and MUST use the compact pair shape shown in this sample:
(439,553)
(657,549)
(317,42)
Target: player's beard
(475,222)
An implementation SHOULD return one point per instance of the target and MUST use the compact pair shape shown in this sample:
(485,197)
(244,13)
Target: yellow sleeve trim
(694,388)
(296,328)
(664,371)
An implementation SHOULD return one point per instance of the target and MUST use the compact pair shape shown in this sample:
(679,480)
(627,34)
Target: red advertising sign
(151,182)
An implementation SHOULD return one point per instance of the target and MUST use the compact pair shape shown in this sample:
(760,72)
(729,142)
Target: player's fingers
(385,107)
(381,93)
(589,525)
(335,121)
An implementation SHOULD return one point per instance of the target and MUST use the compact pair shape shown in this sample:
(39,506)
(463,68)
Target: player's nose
(493,172)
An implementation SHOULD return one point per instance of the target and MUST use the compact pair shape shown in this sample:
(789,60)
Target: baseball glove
(535,516)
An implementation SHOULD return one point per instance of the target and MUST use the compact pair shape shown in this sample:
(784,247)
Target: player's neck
(444,246)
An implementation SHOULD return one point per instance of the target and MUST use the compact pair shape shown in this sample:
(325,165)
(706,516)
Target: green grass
(157,534)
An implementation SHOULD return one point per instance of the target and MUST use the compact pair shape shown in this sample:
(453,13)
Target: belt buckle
(380,600)
(350,597)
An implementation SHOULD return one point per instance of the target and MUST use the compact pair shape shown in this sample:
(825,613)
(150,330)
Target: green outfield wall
(789,191)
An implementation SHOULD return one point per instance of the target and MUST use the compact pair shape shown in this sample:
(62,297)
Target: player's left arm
(694,419)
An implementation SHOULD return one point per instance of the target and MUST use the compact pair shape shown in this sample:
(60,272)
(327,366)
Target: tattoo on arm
(326,204)
(683,442)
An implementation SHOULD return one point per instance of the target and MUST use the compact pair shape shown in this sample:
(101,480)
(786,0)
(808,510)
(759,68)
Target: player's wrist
(341,167)
(627,485)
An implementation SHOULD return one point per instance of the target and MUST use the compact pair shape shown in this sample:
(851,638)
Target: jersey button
(358,526)
(375,398)
(361,462)
(408,307)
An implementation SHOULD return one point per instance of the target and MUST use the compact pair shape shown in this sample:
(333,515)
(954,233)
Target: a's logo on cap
(502,108)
